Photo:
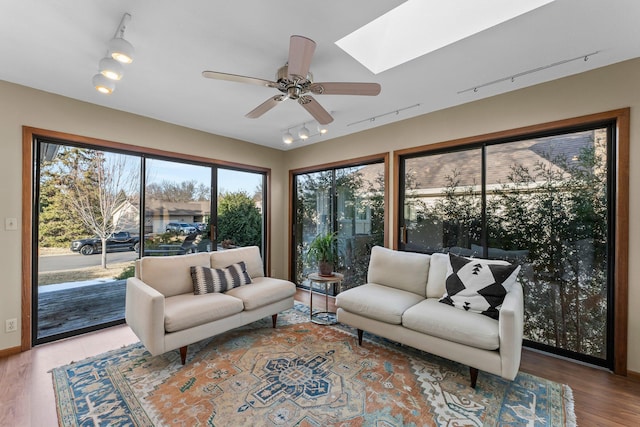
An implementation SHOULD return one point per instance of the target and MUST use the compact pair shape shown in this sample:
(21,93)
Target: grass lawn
(79,274)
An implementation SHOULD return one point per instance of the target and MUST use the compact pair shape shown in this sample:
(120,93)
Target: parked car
(164,249)
(119,240)
(181,228)
(201,226)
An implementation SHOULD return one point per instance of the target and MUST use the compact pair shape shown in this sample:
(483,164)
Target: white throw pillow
(478,285)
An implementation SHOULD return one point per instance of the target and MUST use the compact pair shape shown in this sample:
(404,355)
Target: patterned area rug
(300,374)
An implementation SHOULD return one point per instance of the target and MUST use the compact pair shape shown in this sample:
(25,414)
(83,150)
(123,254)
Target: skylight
(418,27)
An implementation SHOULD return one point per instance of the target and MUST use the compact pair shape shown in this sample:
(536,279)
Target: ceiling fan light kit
(110,68)
(295,82)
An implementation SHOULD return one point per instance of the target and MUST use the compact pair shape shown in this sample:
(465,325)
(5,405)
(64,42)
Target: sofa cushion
(478,285)
(444,321)
(189,310)
(438,266)
(378,302)
(407,271)
(249,254)
(263,291)
(207,280)
(170,275)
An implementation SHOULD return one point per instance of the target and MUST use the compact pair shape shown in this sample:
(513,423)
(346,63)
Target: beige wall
(605,89)
(601,90)
(21,106)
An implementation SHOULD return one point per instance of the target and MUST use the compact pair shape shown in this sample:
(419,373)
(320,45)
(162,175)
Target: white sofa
(164,313)
(401,302)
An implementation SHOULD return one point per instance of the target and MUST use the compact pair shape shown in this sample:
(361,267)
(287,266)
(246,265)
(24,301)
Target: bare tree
(98,186)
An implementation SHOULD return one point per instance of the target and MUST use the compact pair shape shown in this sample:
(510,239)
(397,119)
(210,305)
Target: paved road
(73,260)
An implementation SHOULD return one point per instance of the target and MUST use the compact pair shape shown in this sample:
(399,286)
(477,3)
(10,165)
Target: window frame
(619,119)
(360,161)
(29,205)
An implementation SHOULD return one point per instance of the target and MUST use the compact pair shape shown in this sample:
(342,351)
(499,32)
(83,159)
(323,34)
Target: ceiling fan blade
(265,106)
(239,79)
(315,109)
(344,88)
(301,51)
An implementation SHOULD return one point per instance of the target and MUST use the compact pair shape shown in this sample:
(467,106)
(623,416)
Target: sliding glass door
(240,209)
(348,201)
(177,208)
(88,237)
(98,208)
(545,202)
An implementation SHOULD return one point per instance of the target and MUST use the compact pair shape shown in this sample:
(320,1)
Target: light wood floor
(27,399)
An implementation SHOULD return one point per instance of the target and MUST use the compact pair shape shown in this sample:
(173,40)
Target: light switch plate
(10,224)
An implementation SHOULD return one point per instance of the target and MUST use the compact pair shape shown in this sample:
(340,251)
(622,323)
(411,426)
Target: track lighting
(287,138)
(120,49)
(373,119)
(303,133)
(103,84)
(110,68)
(322,129)
(527,72)
(119,52)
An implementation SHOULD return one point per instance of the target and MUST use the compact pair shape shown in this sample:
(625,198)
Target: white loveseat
(400,301)
(163,311)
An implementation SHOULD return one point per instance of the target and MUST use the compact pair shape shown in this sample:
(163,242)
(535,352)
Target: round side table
(325,317)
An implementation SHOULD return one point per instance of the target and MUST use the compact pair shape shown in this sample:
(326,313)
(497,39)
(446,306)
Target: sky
(228,180)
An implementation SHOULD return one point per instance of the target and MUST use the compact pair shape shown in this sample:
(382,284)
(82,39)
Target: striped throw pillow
(208,280)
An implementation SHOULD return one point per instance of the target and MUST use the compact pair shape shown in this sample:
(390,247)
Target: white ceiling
(55,46)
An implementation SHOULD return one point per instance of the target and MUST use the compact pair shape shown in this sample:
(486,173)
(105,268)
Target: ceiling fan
(295,81)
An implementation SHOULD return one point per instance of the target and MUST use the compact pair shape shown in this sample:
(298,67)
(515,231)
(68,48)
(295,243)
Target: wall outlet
(11,325)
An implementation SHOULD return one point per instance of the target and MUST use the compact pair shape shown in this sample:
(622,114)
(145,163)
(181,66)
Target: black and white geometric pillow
(208,280)
(478,285)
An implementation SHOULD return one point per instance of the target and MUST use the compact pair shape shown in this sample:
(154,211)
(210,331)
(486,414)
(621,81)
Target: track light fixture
(303,133)
(120,49)
(110,67)
(287,138)
(322,129)
(103,84)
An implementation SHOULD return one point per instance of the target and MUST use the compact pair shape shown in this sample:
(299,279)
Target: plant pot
(325,268)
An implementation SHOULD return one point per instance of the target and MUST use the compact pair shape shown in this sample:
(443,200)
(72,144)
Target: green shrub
(127,272)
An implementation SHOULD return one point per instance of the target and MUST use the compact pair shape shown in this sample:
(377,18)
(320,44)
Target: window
(101,205)
(348,200)
(545,200)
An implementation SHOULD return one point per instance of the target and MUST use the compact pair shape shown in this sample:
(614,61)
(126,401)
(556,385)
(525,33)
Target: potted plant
(322,249)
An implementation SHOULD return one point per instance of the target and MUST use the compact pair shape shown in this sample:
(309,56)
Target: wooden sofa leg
(183,354)
(274,320)
(360,331)
(474,376)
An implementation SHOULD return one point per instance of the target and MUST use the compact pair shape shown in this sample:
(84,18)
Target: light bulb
(121,50)
(110,68)
(287,138)
(303,133)
(103,84)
